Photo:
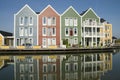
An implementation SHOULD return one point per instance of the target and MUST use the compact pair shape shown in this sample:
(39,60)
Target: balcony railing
(90,34)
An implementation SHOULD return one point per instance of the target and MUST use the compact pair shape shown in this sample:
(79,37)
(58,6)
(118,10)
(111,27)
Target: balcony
(92,34)
(92,24)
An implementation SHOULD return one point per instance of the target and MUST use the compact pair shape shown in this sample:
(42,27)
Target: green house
(71,27)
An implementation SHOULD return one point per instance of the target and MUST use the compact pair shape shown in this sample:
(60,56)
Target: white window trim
(43,31)
(20,21)
(31,66)
(65,32)
(53,41)
(48,21)
(55,21)
(43,21)
(76,22)
(75,41)
(20,33)
(71,23)
(55,31)
(45,42)
(32,20)
(31,76)
(22,76)
(67,23)
(29,31)
(74,31)
(46,68)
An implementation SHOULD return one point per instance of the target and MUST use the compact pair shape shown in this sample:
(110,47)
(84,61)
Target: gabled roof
(69,9)
(4,33)
(48,7)
(25,7)
(84,13)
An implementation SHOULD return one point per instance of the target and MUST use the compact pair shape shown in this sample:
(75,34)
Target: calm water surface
(97,66)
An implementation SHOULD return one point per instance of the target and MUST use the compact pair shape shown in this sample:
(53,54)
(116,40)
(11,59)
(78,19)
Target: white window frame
(44,24)
(54,32)
(44,75)
(22,69)
(30,23)
(49,20)
(65,32)
(71,21)
(75,41)
(66,21)
(53,41)
(17,41)
(21,22)
(26,23)
(31,76)
(76,31)
(67,64)
(46,68)
(54,24)
(75,21)
(22,76)
(26,31)
(31,67)
(53,66)
(44,40)
(44,34)
(30,34)
(21,32)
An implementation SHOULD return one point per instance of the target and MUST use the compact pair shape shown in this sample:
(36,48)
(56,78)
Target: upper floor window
(54,31)
(25,20)
(21,21)
(49,21)
(71,22)
(30,31)
(31,77)
(31,68)
(75,22)
(21,31)
(53,21)
(21,68)
(31,21)
(44,32)
(44,20)
(75,31)
(66,32)
(66,22)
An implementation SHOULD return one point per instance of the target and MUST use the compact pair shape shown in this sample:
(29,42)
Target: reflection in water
(60,67)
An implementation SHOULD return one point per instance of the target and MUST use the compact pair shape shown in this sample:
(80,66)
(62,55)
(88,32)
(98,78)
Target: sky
(107,9)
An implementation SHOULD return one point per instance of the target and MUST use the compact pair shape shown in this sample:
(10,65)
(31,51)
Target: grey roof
(4,33)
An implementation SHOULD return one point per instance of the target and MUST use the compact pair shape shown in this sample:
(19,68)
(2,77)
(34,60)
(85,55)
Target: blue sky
(107,9)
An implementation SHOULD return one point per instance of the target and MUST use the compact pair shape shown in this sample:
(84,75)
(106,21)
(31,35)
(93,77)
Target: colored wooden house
(49,27)
(91,27)
(6,38)
(25,27)
(71,26)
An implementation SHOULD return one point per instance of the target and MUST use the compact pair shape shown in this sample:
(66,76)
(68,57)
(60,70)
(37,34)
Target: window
(71,22)
(31,77)
(21,41)
(66,32)
(44,77)
(30,31)
(44,21)
(31,69)
(18,41)
(21,20)
(49,21)
(75,22)
(22,77)
(31,21)
(71,32)
(66,67)
(75,67)
(54,31)
(21,31)
(26,21)
(66,22)
(54,68)
(54,41)
(75,31)
(49,31)
(31,41)
(44,67)
(26,32)
(53,21)
(44,58)
(44,31)
(21,68)
(44,43)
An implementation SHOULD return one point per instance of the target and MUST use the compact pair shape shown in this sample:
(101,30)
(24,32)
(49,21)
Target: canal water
(96,66)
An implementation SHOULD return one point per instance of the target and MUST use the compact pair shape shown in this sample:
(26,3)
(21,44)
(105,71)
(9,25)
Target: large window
(75,22)
(26,20)
(66,31)
(21,31)
(44,32)
(49,21)
(30,31)
(75,31)
(53,21)
(26,31)
(21,21)
(66,21)
(71,22)
(53,41)
(21,68)
(44,43)
(54,31)
(31,21)
(44,20)
(31,68)
(75,40)
(44,67)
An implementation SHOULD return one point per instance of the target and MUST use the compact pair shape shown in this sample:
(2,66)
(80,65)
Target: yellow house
(1,40)
(107,32)
(6,38)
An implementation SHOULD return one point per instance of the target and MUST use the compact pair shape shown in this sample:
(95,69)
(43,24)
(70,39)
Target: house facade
(71,26)
(49,27)
(91,27)
(25,27)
